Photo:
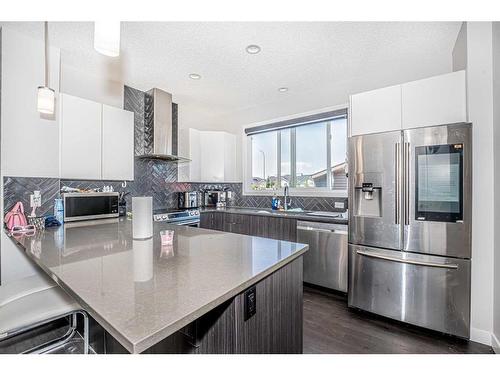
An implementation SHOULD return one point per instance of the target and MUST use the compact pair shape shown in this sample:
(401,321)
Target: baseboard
(480,336)
(495,343)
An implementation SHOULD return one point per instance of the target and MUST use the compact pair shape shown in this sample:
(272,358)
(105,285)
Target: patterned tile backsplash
(152,180)
(17,189)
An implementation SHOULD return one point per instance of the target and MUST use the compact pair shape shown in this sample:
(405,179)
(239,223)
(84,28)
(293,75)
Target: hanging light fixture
(107,37)
(46,96)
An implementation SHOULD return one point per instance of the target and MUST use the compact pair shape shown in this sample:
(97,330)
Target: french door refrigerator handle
(407,183)
(397,165)
(407,261)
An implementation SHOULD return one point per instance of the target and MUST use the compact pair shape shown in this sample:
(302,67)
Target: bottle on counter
(59,210)
(275,201)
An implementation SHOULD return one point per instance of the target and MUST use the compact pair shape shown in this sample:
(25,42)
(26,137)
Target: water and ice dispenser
(368,198)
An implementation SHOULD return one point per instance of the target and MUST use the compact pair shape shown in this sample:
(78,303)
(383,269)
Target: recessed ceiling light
(253,49)
(283,89)
(194,76)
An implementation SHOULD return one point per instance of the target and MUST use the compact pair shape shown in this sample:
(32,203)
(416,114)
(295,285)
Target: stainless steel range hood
(160,132)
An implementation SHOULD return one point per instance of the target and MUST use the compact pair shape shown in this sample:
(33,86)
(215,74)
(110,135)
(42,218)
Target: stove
(178,217)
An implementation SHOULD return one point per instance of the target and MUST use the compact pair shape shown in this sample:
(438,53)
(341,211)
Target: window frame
(292,124)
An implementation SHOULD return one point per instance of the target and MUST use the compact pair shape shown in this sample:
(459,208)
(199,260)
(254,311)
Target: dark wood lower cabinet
(212,220)
(278,228)
(276,326)
(236,223)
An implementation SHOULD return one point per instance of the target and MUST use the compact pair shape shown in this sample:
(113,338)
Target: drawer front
(236,223)
(428,291)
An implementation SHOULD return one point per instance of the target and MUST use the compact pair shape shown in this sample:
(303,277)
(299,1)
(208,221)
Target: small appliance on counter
(216,197)
(189,199)
(90,206)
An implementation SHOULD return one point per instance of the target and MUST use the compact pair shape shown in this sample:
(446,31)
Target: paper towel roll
(142,217)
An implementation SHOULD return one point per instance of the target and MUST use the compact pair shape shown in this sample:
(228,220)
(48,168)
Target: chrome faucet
(287,201)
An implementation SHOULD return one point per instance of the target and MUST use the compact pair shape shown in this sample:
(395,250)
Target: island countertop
(142,292)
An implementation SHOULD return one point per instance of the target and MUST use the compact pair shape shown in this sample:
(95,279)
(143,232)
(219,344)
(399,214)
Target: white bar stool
(36,300)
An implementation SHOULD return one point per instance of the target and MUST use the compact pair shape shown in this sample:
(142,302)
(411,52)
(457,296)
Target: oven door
(437,196)
(195,223)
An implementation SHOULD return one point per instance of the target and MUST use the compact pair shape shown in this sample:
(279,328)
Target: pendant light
(46,96)
(107,37)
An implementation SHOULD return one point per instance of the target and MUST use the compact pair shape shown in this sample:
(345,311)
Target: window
(305,157)
(264,168)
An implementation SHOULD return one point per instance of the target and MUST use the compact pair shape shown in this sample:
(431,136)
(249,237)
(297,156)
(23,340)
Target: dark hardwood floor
(330,327)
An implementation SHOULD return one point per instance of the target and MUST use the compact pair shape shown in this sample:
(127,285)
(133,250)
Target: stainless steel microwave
(90,206)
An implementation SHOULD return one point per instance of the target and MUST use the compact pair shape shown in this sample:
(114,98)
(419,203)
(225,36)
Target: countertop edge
(158,336)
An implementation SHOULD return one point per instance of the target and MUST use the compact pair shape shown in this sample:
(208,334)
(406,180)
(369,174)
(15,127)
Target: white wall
(496,136)
(29,143)
(98,88)
(480,110)
(459,53)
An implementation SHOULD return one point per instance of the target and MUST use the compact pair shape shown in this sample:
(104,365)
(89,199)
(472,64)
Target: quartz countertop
(142,292)
(299,215)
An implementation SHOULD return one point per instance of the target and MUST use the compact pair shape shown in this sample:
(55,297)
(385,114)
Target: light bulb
(46,100)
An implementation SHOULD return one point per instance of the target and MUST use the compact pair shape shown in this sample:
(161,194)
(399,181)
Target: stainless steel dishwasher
(325,264)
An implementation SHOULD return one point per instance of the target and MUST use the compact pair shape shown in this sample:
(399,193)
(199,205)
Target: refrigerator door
(437,190)
(375,183)
(427,291)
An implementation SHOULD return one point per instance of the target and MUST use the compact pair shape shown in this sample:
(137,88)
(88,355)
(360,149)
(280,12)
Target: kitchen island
(194,296)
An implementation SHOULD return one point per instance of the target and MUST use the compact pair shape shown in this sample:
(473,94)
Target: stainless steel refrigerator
(410,196)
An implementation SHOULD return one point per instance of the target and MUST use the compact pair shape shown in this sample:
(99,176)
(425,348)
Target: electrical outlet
(250,302)
(36,199)
(339,204)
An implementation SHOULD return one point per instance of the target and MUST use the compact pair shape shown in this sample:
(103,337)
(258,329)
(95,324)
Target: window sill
(299,193)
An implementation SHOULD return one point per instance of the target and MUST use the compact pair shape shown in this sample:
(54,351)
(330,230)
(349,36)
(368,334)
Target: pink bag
(15,217)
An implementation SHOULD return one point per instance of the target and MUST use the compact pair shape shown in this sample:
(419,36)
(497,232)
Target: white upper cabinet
(117,144)
(434,101)
(375,111)
(213,157)
(230,165)
(96,140)
(80,140)
(427,102)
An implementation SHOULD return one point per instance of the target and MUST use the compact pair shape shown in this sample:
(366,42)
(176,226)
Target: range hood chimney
(160,133)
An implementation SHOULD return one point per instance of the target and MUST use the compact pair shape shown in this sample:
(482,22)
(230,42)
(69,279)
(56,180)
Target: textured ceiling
(321,63)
